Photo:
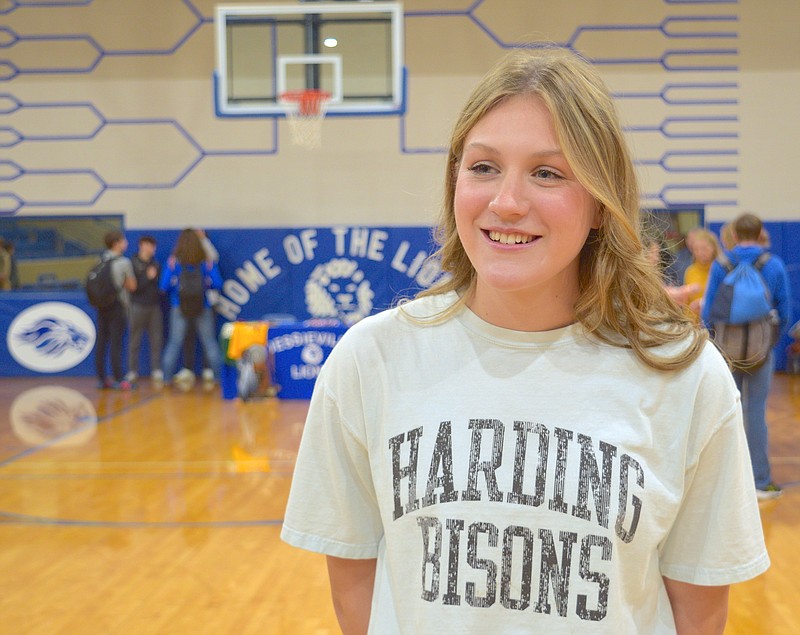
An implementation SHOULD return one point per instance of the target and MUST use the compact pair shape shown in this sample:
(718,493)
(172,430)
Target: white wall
(137,133)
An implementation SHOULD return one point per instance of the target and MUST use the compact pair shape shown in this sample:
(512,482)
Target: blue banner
(343,273)
(332,273)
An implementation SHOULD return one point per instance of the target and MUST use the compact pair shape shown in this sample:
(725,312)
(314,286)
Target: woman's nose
(510,199)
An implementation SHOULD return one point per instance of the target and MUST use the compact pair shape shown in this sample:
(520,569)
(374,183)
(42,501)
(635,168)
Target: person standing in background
(754,384)
(676,269)
(726,237)
(186,374)
(793,350)
(5,267)
(705,249)
(764,239)
(656,252)
(189,255)
(146,312)
(11,249)
(13,273)
(112,320)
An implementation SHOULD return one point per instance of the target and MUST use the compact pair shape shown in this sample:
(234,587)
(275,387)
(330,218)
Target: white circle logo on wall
(339,289)
(50,337)
(312,354)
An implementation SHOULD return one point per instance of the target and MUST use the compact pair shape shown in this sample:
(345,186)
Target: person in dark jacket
(146,315)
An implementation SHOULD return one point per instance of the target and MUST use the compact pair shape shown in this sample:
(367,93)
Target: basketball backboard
(352,50)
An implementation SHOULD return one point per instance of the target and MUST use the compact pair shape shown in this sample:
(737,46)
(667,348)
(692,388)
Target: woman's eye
(480,168)
(544,173)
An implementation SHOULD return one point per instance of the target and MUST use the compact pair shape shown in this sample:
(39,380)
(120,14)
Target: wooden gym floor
(159,512)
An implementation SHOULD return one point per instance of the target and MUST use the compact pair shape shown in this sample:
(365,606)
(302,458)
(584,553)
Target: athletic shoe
(770,492)
(157,378)
(132,376)
(122,385)
(208,379)
(184,380)
(104,384)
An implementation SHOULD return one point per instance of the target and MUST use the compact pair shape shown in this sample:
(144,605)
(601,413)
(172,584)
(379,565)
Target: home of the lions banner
(337,272)
(333,273)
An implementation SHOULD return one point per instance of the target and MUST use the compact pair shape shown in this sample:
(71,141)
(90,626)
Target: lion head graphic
(338,289)
(51,336)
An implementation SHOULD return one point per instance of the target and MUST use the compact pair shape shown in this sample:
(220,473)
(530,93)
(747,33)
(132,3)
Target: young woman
(190,256)
(544,442)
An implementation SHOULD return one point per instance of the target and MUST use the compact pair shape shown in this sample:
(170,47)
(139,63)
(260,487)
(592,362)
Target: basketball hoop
(305,110)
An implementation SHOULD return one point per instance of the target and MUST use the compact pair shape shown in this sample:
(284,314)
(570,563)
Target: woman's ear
(598,216)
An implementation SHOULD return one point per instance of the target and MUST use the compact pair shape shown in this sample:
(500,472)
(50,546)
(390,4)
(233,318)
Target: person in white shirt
(543,441)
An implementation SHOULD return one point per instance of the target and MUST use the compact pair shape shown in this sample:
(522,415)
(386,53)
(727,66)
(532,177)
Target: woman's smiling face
(521,214)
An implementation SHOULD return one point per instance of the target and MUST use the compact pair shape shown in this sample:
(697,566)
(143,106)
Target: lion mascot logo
(338,289)
(51,336)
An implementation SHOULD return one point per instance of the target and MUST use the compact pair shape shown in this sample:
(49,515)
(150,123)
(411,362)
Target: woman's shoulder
(709,364)
(668,353)
(710,357)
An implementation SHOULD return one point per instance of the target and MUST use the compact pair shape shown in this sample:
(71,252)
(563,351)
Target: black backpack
(100,287)
(191,291)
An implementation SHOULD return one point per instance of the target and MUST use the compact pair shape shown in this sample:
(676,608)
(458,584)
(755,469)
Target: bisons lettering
(483,563)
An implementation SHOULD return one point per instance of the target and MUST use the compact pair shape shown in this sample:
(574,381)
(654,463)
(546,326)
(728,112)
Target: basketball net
(305,110)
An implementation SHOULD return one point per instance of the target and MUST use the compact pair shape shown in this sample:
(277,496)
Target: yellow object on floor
(245,335)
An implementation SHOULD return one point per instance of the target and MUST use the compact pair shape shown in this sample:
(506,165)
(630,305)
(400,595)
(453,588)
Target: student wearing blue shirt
(189,255)
(754,384)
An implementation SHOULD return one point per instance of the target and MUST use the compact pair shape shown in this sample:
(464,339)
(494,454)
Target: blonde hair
(727,236)
(622,300)
(708,237)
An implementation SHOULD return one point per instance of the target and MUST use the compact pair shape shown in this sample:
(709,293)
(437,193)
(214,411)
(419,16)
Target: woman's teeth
(510,239)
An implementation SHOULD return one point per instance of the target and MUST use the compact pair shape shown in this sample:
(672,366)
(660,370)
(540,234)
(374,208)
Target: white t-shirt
(514,482)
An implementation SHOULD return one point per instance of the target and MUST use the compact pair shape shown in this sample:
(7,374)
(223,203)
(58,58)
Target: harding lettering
(598,468)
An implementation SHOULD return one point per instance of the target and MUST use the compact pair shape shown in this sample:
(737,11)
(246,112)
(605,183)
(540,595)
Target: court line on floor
(139,473)
(10,518)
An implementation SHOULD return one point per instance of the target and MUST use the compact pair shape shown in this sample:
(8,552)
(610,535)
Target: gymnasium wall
(106,106)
